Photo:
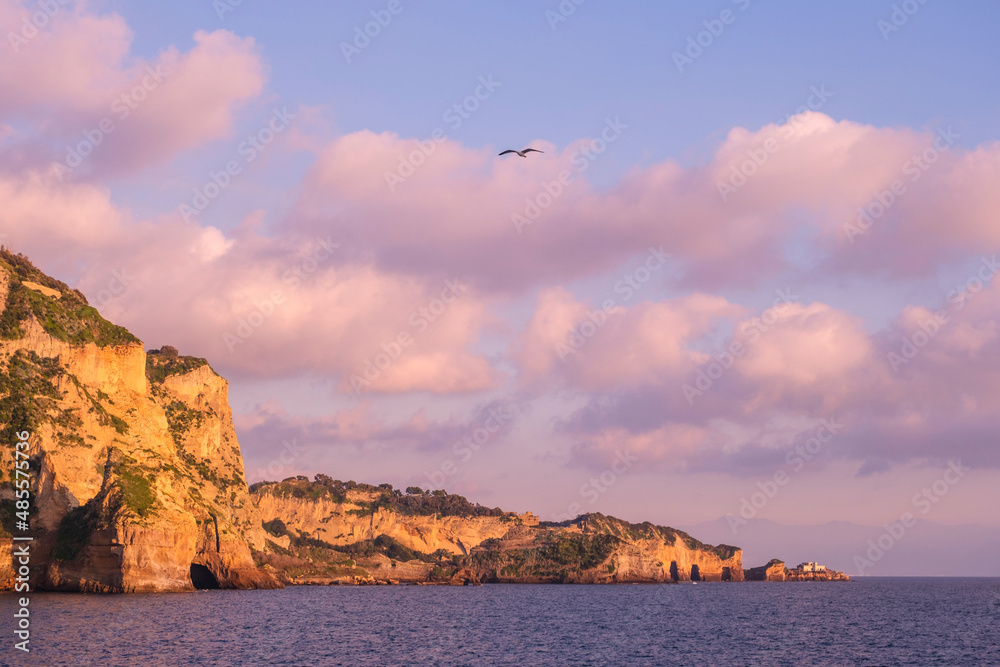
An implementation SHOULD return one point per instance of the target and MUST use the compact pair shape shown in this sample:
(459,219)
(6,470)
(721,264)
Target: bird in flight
(522,153)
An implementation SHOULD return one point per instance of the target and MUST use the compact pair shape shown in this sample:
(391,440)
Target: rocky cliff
(594,548)
(773,571)
(359,514)
(137,477)
(344,531)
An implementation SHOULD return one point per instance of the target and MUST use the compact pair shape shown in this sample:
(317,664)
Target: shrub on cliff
(276,527)
(74,532)
(389,547)
(30,393)
(68,318)
(134,486)
(162,363)
(385,498)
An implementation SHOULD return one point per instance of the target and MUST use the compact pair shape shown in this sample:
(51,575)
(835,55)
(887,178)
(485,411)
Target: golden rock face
(135,478)
(495,548)
(339,524)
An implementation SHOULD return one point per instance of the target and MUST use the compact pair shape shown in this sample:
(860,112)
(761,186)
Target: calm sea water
(866,622)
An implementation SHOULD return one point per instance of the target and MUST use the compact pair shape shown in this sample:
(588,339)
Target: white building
(812,567)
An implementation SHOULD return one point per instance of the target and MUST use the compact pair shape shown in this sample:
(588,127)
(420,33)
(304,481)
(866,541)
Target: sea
(870,621)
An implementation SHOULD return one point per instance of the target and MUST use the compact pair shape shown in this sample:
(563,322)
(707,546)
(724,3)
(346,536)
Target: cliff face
(773,571)
(351,521)
(825,575)
(136,472)
(595,548)
(325,528)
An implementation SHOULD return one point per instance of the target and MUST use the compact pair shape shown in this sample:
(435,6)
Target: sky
(749,276)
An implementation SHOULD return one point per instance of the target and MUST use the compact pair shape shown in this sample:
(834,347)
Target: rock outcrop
(775,570)
(353,519)
(595,549)
(825,575)
(332,529)
(137,477)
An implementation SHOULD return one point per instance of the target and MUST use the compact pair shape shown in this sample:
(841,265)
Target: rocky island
(338,532)
(137,484)
(775,570)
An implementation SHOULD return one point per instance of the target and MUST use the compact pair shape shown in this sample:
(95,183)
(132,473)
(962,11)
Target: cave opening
(202,578)
(695,573)
(674,574)
(727,574)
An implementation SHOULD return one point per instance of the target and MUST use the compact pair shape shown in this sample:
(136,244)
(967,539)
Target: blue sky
(611,58)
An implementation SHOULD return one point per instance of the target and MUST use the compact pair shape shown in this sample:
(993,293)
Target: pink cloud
(464,210)
(801,352)
(922,390)
(181,101)
(363,428)
(264,307)
(73,62)
(57,220)
(589,348)
(105,110)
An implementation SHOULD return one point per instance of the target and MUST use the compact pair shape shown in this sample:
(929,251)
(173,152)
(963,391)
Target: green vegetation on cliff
(390,548)
(556,557)
(276,527)
(383,497)
(635,532)
(308,558)
(97,409)
(29,393)
(74,532)
(181,419)
(68,318)
(29,397)
(162,363)
(135,488)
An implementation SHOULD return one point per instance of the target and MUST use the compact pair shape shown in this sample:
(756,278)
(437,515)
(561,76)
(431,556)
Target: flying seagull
(522,153)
